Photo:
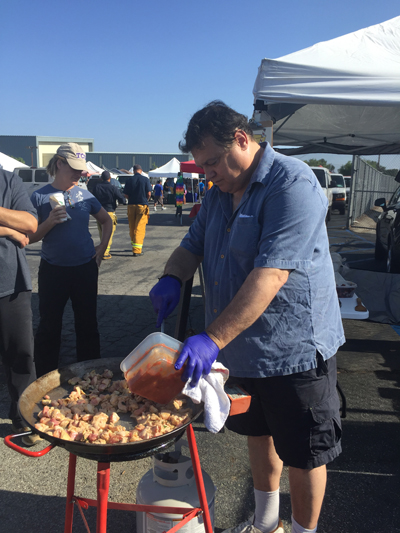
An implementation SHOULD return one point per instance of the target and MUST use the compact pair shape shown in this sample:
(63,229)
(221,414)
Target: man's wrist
(215,339)
(173,277)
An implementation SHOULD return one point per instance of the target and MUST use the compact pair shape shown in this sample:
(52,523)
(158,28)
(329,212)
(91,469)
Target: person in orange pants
(138,191)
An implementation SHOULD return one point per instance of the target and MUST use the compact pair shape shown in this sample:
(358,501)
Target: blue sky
(130,74)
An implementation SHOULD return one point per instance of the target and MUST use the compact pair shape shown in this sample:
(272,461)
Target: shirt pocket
(245,236)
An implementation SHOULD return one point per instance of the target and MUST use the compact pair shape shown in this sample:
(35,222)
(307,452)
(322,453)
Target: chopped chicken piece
(42,427)
(100,420)
(122,407)
(113,418)
(89,408)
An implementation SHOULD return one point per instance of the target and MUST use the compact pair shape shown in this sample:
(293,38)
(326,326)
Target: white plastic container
(344,288)
(172,485)
(149,368)
(57,201)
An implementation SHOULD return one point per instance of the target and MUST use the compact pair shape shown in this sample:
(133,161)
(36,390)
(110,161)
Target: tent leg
(183,310)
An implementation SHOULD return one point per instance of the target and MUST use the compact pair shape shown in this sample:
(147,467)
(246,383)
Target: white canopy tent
(93,169)
(9,163)
(171,170)
(340,96)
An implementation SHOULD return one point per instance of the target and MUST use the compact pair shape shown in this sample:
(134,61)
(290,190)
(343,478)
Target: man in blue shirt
(158,195)
(201,187)
(138,191)
(272,312)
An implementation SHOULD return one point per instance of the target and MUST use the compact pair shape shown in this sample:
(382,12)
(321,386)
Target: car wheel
(380,252)
(328,215)
(393,259)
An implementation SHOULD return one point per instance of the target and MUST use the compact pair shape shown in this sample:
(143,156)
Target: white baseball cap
(74,155)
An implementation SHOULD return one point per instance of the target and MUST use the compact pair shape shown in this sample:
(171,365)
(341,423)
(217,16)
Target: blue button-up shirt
(279,223)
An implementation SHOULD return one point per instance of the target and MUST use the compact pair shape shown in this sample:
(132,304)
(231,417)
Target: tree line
(345,169)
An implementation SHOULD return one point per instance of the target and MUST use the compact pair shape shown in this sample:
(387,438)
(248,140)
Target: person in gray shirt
(17,221)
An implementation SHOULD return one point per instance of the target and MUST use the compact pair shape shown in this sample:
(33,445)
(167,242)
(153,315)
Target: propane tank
(171,482)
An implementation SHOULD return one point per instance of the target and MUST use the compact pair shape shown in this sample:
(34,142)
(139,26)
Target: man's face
(225,167)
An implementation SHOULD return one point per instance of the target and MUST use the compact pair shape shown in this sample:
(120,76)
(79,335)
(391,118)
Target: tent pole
(351,198)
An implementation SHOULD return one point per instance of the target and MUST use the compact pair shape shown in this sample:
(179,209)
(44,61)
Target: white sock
(266,517)
(296,528)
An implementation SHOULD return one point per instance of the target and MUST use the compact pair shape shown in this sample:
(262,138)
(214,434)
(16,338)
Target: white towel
(210,390)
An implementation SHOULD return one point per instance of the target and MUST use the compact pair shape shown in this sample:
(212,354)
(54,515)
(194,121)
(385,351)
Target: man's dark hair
(105,176)
(136,168)
(216,120)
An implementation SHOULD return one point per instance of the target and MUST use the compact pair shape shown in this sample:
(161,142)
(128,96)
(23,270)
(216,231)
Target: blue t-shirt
(158,188)
(201,186)
(279,223)
(68,243)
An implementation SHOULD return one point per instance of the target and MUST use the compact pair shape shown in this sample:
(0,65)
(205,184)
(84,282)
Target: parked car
(120,187)
(339,193)
(96,178)
(347,180)
(33,178)
(93,180)
(324,178)
(122,178)
(387,244)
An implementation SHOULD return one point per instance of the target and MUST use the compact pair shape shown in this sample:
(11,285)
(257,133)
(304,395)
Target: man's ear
(242,139)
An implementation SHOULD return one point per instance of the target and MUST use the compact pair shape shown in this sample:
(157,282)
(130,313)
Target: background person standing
(69,265)
(158,195)
(138,191)
(108,195)
(17,220)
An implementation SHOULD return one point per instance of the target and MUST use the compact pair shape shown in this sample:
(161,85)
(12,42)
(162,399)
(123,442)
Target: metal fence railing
(367,185)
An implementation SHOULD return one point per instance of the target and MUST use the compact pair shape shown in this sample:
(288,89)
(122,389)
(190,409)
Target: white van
(324,178)
(339,193)
(33,178)
(36,178)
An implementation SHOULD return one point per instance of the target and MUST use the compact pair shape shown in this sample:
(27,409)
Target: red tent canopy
(190,166)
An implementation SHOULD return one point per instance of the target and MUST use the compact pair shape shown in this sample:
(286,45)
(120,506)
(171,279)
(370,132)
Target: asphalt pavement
(363,483)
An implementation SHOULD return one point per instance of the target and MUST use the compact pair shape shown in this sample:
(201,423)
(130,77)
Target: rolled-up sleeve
(294,216)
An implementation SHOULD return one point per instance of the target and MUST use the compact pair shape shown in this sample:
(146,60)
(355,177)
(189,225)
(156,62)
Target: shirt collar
(265,164)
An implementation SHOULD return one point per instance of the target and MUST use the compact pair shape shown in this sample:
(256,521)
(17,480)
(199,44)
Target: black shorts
(300,411)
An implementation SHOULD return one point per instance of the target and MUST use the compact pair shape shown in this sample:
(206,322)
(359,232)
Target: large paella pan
(55,385)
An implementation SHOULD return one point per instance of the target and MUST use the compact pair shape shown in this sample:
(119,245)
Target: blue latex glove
(200,352)
(165,297)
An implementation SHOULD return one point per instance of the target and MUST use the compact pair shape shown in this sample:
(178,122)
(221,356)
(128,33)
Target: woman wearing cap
(70,261)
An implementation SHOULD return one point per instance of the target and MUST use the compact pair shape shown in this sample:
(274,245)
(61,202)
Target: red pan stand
(103,484)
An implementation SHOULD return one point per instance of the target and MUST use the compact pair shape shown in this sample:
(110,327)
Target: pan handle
(24,451)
